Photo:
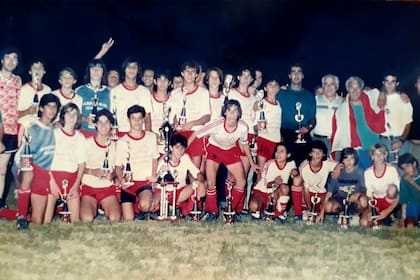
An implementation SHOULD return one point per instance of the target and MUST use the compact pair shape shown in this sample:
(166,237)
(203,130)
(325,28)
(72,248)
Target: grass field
(186,250)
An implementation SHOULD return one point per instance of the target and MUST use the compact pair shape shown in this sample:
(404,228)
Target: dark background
(341,37)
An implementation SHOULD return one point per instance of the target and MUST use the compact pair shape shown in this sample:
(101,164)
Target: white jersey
(95,159)
(247,105)
(197,103)
(26,98)
(316,181)
(378,184)
(270,171)
(157,114)
(184,165)
(69,152)
(324,114)
(123,98)
(221,138)
(397,115)
(272,112)
(216,105)
(142,152)
(64,100)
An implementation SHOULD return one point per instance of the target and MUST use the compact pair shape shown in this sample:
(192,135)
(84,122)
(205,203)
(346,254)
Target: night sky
(344,38)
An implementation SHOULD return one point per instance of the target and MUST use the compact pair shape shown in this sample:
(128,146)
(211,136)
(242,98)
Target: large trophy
(315,200)
(345,217)
(94,112)
(65,213)
(269,213)
(195,213)
(128,173)
(229,213)
(262,121)
(393,153)
(374,212)
(227,86)
(299,119)
(26,156)
(114,128)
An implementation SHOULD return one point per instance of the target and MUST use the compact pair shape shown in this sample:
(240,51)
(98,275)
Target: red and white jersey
(247,105)
(220,137)
(315,181)
(216,105)
(157,114)
(95,153)
(197,103)
(64,100)
(272,112)
(270,171)
(9,95)
(378,183)
(26,100)
(184,165)
(123,98)
(69,152)
(142,151)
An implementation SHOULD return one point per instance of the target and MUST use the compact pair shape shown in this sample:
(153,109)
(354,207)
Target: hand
(74,191)
(2,147)
(152,179)
(303,130)
(33,109)
(381,102)
(397,145)
(278,180)
(255,167)
(107,45)
(337,170)
(54,189)
(404,97)
(187,126)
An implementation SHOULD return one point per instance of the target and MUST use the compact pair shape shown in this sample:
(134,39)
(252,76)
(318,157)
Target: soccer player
(34,186)
(276,171)
(222,148)
(350,181)
(148,79)
(68,163)
(93,91)
(414,134)
(382,184)
(138,148)
(67,79)
(180,163)
(195,102)
(130,93)
(214,80)
(112,78)
(98,188)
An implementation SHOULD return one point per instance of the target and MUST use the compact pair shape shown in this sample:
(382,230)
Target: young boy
(409,190)
(138,148)
(382,184)
(67,79)
(350,180)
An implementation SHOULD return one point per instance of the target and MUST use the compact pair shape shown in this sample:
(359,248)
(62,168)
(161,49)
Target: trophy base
(311,218)
(196,216)
(344,221)
(269,216)
(29,168)
(300,141)
(229,219)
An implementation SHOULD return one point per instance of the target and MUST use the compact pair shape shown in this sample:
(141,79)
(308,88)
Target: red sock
(7,213)
(237,195)
(211,201)
(297,196)
(281,205)
(241,203)
(23,202)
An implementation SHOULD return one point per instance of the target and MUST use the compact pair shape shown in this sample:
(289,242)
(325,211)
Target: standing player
(148,79)
(67,79)
(214,80)
(138,148)
(112,78)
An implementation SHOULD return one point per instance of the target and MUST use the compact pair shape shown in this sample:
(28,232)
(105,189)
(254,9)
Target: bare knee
(87,217)
(392,191)
(254,205)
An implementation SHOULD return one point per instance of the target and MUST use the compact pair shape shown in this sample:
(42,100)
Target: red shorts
(265,148)
(227,157)
(382,203)
(263,196)
(133,190)
(319,205)
(196,148)
(87,133)
(250,137)
(41,181)
(98,193)
(60,176)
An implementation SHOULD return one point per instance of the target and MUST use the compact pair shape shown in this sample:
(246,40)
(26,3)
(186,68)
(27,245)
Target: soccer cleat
(21,223)
(210,217)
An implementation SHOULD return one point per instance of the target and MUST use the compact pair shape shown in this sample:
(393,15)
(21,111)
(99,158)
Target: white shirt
(216,105)
(271,171)
(64,100)
(316,181)
(272,112)
(379,184)
(397,114)
(324,114)
(247,106)
(69,152)
(26,98)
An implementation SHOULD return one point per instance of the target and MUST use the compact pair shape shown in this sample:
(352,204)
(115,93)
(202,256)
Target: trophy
(94,111)
(229,213)
(227,86)
(65,213)
(393,154)
(105,166)
(114,128)
(253,147)
(312,215)
(173,217)
(35,100)
(345,217)
(299,119)
(127,173)
(166,128)
(269,213)
(183,116)
(26,156)
(262,121)
(374,212)
(195,213)
(167,182)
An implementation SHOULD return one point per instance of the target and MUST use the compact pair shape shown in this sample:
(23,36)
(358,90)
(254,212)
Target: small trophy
(114,128)
(183,116)
(313,214)
(229,213)
(195,213)
(94,112)
(269,213)
(253,147)
(299,119)
(35,100)
(105,166)
(374,212)
(262,121)
(345,217)
(393,154)
(26,156)
(227,86)
(65,213)
(127,173)
(166,129)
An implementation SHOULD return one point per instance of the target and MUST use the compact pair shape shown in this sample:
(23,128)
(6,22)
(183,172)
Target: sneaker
(256,215)
(142,216)
(282,219)
(210,217)
(21,223)
(298,218)
(154,215)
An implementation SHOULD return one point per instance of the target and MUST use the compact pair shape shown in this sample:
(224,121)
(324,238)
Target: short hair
(163,73)
(319,145)
(295,64)
(36,60)
(390,73)
(407,159)
(125,63)
(136,109)
(381,147)
(49,98)
(190,64)
(218,71)
(354,79)
(69,70)
(67,108)
(349,151)
(286,146)
(334,77)
(9,50)
(106,113)
(178,138)
(229,104)
(243,69)
(91,64)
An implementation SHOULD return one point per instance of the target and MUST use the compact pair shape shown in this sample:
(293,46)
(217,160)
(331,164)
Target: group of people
(108,144)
